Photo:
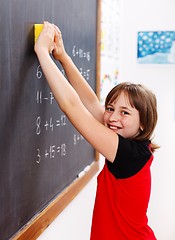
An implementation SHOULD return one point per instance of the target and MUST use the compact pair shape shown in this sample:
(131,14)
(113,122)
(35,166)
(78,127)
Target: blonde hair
(144,100)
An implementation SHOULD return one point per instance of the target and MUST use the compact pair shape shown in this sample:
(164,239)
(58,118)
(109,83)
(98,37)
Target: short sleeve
(130,158)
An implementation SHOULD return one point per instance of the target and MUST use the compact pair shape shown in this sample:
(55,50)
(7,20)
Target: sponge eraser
(37,30)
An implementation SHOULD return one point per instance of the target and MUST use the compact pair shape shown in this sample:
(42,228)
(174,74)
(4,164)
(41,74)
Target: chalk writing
(85,73)
(40,98)
(51,152)
(77,138)
(50,123)
(80,53)
(39,72)
(38,125)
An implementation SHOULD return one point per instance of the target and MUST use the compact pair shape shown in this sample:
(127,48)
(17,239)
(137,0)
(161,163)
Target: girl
(121,133)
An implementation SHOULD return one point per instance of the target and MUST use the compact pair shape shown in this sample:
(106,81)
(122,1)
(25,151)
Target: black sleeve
(130,158)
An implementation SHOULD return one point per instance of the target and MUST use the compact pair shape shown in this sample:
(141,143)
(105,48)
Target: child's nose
(115,116)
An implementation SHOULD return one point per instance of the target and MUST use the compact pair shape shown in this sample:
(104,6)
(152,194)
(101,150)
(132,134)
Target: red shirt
(122,196)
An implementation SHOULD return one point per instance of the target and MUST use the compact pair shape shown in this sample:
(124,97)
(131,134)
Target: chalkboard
(41,153)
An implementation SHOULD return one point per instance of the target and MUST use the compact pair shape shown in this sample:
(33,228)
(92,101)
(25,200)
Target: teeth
(112,127)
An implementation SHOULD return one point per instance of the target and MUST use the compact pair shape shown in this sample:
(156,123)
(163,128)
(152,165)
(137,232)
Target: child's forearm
(63,92)
(77,81)
(85,92)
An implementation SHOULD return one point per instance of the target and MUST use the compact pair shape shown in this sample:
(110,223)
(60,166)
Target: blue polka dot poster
(156,47)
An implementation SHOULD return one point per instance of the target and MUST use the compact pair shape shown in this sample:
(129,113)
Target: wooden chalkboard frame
(39,223)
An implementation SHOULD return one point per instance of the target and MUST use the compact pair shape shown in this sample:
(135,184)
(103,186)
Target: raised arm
(100,137)
(85,92)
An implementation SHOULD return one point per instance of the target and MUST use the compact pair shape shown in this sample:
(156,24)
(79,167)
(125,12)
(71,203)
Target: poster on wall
(156,47)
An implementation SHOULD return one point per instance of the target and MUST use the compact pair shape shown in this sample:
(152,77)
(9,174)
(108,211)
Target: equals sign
(57,123)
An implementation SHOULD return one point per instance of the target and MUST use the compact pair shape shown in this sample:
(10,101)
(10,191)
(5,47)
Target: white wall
(153,15)
(137,15)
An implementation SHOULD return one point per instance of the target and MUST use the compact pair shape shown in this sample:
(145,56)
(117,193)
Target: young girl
(121,133)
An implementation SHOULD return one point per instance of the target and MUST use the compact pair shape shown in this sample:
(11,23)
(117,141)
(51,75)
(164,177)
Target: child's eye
(124,113)
(110,109)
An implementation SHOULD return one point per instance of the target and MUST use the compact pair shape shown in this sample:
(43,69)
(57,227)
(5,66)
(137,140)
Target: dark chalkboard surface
(40,151)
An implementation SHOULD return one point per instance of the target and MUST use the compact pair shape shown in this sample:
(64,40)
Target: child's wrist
(41,51)
(65,57)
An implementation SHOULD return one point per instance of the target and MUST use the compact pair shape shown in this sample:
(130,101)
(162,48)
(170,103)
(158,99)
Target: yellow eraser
(37,30)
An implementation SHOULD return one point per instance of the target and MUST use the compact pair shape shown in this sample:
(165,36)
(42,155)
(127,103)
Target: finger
(50,30)
(57,31)
(56,28)
(45,24)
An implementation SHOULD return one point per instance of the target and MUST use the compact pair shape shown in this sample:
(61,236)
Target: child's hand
(59,51)
(45,41)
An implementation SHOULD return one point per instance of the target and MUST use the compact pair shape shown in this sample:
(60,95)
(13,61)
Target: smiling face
(122,118)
